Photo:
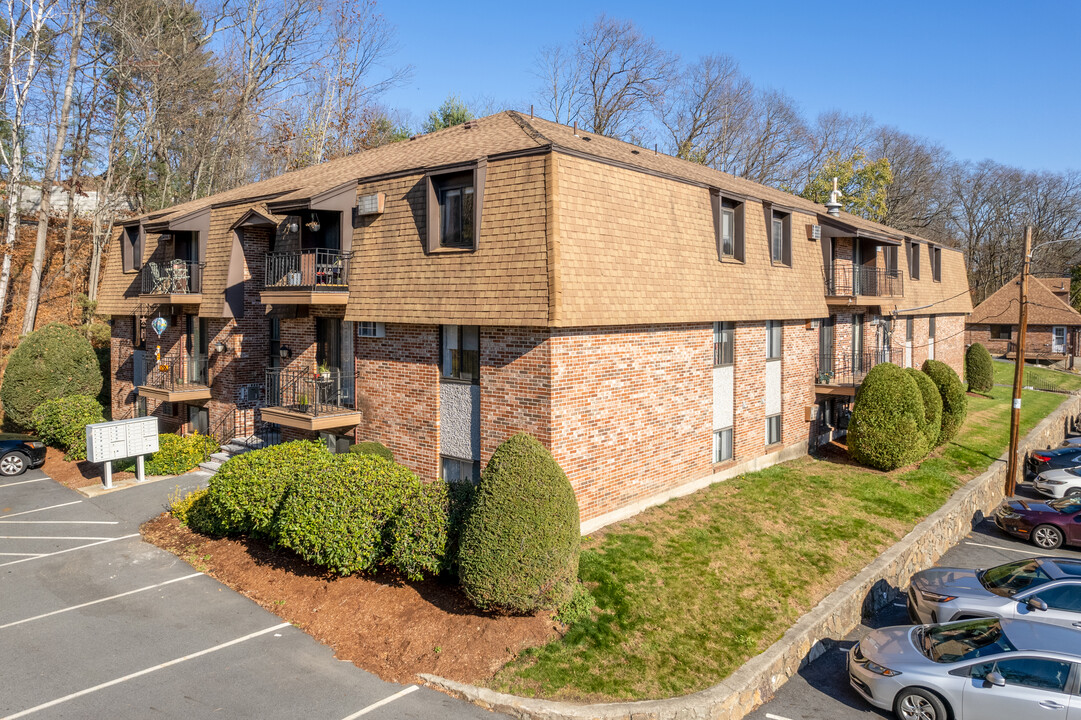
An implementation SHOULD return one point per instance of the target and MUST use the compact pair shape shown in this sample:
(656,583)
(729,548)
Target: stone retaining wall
(817,631)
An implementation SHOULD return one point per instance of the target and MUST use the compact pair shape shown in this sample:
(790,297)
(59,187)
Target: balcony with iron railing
(174,281)
(847,281)
(311,277)
(1049,351)
(841,374)
(175,377)
(310,398)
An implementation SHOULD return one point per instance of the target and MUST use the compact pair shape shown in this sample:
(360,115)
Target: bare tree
(706,109)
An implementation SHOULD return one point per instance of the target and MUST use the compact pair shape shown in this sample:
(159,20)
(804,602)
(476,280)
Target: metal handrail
(309,391)
(317,270)
(845,279)
(174,370)
(847,369)
(173,277)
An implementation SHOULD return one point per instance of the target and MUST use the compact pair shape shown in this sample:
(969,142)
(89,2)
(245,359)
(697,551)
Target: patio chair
(159,283)
(178,274)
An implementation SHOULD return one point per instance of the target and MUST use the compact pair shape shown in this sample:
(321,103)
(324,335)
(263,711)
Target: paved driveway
(821,691)
(95,623)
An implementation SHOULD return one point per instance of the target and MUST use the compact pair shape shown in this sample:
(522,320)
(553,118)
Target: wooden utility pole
(1019,367)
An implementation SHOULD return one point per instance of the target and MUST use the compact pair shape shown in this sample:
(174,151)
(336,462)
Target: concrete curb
(814,633)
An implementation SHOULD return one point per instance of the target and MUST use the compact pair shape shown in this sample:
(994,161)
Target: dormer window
(454,207)
(780,238)
(131,248)
(728,227)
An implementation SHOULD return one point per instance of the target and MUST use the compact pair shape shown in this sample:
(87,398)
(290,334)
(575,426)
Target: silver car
(1064,482)
(984,669)
(1044,589)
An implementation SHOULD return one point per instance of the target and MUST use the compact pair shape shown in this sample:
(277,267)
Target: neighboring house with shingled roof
(657,324)
(1054,326)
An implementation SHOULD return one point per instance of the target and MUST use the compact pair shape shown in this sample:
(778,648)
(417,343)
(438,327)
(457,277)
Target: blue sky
(999,80)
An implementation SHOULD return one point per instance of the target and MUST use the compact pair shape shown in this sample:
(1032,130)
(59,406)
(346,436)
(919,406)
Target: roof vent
(634,152)
(833,207)
(468,125)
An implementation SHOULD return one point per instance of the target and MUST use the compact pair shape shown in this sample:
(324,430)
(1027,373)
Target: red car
(1047,524)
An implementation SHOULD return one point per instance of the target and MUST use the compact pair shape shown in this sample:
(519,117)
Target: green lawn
(1035,375)
(690,590)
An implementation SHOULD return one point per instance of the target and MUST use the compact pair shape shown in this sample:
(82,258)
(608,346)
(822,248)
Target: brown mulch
(76,474)
(387,626)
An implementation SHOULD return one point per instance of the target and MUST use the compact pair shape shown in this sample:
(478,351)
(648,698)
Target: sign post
(121,439)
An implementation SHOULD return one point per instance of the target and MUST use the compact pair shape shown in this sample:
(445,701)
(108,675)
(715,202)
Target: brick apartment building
(1053,335)
(657,324)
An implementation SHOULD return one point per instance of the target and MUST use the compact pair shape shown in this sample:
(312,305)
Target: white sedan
(1059,483)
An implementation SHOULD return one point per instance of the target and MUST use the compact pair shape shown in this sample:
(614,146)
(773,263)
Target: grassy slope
(1064,380)
(690,590)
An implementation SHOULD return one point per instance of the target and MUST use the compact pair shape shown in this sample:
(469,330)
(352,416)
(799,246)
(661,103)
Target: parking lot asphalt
(821,691)
(95,623)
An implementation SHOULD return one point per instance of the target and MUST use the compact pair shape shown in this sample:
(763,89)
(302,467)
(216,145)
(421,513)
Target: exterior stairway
(236,446)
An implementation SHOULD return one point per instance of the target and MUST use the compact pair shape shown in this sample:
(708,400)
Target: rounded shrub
(247,489)
(177,454)
(979,370)
(194,511)
(887,416)
(52,362)
(61,423)
(954,400)
(520,541)
(372,448)
(932,407)
(336,517)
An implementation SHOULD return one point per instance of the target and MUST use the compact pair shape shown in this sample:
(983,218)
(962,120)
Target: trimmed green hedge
(372,448)
(246,491)
(887,417)
(932,407)
(52,362)
(954,401)
(979,371)
(520,542)
(61,423)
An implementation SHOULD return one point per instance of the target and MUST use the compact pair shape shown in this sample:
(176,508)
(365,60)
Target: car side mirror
(995,678)
(1035,603)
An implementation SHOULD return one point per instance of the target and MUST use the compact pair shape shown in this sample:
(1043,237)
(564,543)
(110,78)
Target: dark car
(19,452)
(1048,525)
(1057,459)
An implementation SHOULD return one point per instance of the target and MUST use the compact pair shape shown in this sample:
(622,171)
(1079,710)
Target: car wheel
(919,704)
(1073,492)
(14,463)
(1047,537)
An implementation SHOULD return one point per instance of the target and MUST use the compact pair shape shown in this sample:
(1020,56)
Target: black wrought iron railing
(176,371)
(1038,349)
(845,280)
(174,277)
(847,370)
(310,391)
(320,270)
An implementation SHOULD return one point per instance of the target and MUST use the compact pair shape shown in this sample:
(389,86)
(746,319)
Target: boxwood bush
(416,538)
(245,493)
(954,400)
(61,423)
(887,416)
(520,542)
(372,448)
(177,454)
(52,362)
(979,371)
(932,407)
(342,517)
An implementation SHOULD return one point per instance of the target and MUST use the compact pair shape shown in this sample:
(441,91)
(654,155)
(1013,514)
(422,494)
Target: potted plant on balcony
(322,372)
(302,402)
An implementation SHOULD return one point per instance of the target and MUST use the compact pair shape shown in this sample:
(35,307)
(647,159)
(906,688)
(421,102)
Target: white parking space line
(59,522)
(21,482)
(95,602)
(52,537)
(140,673)
(771,716)
(51,507)
(22,554)
(999,547)
(381,703)
(61,552)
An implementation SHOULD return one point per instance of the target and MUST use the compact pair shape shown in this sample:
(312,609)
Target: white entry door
(1058,342)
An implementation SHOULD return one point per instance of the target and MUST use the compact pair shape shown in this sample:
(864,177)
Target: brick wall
(515,385)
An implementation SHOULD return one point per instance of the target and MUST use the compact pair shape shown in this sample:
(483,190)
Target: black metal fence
(176,371)
(845,279)
(310,391)
(308,270)
(175,277)
(848,369)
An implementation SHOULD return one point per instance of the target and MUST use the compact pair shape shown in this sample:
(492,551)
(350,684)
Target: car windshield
(963,641)
(1066,505)
(1074,471)
(1013,577)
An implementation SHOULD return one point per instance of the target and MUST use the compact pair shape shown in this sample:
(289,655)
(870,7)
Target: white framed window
(780,239)
(773,339)
(371,330)
(773,430)
(728,232)
(454,469)
(724,343)
(460,355)
(722,445)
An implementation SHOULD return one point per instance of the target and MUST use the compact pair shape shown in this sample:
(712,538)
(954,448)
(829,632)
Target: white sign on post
(121,439)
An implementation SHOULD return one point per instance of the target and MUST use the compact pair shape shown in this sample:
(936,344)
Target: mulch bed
(387,626)
(77,474)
